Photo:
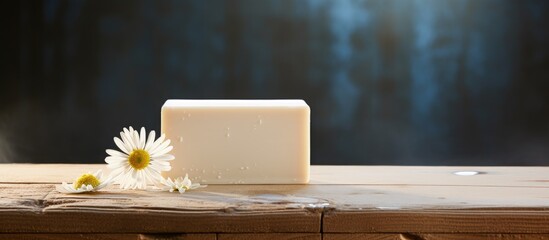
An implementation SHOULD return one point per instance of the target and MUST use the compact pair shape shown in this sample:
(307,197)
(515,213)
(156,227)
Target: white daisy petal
(115,153)
(160,148)
(117,165)
(156,143)
(126,181)
(148,177)
(126,136)
(163,168)
(103,184)
(129,132)
(125,177)
(67,187)
(98,174)
(160,162)
(135,139)
(140,176)
(117,172)
(165,157)
(155,168)
(131,138)
(163,151)
(121,145)
(114,159)
(142,138)
(150,140)
(134,173)
(155,173)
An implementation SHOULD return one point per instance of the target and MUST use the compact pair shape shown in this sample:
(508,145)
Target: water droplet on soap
(203,171)
(182,118)
(218,177)
(188,114)
(241,168)
(228,135)
(247,168)
(260,121)
(228,129)
(180,139)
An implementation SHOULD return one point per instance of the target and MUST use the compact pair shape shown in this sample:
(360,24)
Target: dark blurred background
(426,82)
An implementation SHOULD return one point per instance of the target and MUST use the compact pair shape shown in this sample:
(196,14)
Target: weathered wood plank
(196,211)
(503,200)
(438,221)
(291,208)
(110,236)
(364,236)
(439,236)
(274,236)
(85,221)
(430,176)
(269,236)
(370,236)
(178,236)
(348,175)
(265,198)
(27,197)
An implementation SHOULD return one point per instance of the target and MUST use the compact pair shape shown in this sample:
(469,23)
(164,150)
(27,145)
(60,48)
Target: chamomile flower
(141,159)
(180,184)
(86,183)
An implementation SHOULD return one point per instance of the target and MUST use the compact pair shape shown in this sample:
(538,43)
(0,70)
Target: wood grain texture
(84,221)
(418,236)
(439,221)
(55,236)
(342,200)
(269,236)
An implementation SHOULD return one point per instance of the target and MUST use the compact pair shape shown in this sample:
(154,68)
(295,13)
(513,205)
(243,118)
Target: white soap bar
(239,141)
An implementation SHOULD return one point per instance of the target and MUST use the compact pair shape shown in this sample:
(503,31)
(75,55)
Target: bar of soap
(239,141)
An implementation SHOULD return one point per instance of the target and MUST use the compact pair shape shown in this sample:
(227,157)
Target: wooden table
(341,202)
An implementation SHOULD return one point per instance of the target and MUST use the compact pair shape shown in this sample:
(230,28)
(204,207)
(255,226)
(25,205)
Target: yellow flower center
(139,159)
(86,179)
